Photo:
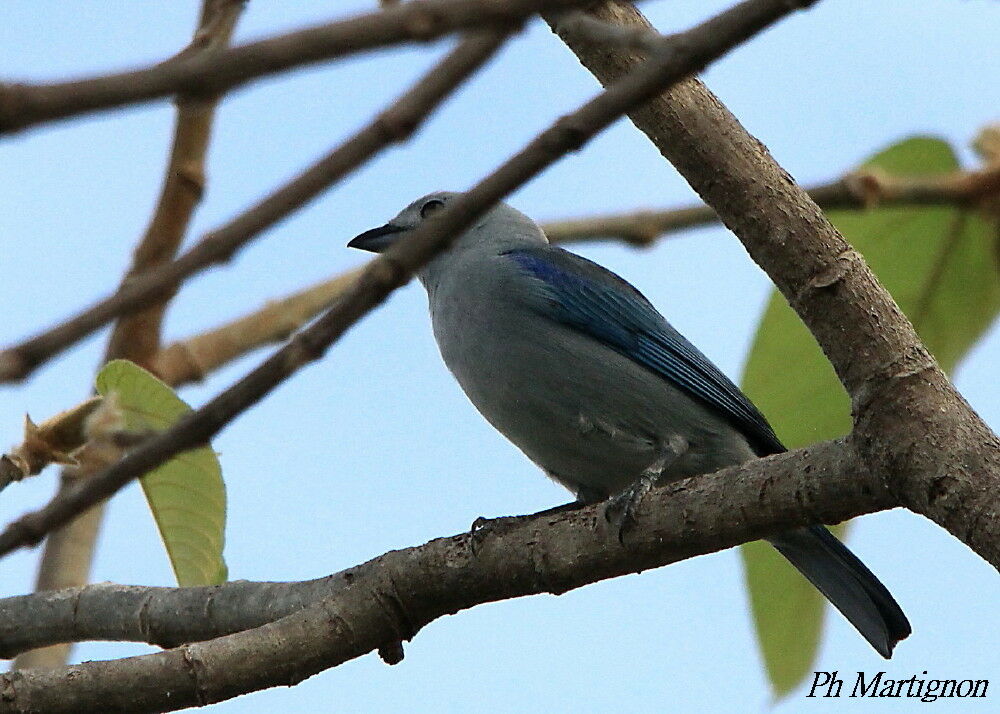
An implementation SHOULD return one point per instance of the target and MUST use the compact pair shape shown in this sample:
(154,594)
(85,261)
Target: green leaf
(186,495)
(940,265)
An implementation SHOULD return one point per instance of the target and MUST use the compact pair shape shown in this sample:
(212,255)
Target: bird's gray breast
(591,417)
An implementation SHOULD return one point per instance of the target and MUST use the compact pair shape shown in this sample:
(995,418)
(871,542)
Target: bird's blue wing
(593,300)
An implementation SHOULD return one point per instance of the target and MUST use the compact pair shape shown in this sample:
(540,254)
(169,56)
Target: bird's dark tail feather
(847,584)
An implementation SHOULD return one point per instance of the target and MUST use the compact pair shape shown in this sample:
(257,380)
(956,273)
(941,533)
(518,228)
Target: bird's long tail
(847,584)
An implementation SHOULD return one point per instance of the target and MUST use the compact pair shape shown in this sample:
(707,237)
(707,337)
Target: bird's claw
(619,510)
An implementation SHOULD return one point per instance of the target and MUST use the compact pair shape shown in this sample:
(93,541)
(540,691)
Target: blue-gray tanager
(579,370)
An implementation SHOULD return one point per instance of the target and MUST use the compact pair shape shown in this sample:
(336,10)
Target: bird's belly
(592,418)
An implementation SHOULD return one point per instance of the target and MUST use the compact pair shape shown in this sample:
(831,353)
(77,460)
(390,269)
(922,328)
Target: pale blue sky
(375,447)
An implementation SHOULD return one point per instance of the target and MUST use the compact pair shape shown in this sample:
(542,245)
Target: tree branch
(911,425)
(161,616)
(915,442)
(694,49)
(597,32)
(191,359)
(24,105)
(394,125)
(136,336)
(396,594)
(861,189)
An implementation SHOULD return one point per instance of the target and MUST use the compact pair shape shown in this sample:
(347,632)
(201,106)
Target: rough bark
(393,596)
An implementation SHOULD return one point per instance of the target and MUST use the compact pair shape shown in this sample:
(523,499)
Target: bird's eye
(432,206)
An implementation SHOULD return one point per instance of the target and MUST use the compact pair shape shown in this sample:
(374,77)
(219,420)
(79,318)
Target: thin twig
(191,359)
(695,49)
(24,105)
(394,125)
(861,189)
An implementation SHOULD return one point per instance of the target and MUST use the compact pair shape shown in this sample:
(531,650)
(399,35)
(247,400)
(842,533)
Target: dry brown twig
(860,190)
(24,105)
(53,441)
(191,359)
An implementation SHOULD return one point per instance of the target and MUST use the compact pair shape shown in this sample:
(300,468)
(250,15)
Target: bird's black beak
(377,239)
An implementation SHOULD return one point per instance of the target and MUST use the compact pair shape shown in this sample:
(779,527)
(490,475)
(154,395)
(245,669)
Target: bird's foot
(619,510)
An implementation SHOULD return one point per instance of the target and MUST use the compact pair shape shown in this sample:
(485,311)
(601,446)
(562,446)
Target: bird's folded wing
(589,298)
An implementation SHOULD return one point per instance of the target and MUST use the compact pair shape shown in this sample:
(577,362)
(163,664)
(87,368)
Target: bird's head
(499,228)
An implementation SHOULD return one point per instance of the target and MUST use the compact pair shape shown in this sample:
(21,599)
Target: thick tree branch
(598,32)
(911,426)
(395,595)
(694,49)
(24,105)
(162,616)
(394,125)
(168,617)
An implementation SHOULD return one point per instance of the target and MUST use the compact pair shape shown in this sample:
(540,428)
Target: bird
(579,370)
